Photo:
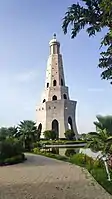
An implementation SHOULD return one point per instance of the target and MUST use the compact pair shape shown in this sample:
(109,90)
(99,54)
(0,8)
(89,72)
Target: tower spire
(54,36)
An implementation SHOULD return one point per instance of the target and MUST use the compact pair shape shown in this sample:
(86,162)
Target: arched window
(70,126)
(55,127)
(47,85)
(40,127)
(64,96)
(54,97)
(61,82)
(44,100)
(54,83)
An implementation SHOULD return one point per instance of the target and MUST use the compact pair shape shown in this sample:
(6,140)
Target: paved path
(43,178)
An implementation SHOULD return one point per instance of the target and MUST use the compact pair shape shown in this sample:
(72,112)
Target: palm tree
(12,131)
(27,133)
(100,141)
(104,122)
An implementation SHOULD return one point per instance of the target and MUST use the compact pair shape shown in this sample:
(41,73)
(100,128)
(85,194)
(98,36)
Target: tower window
(64,96)
(47,85)
(44,100)
(54,83)
(61,82)
(54,97)
(70,126)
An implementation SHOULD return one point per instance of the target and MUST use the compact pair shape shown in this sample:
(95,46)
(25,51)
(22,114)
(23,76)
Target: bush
(49,134)
(78,159)
(36,145)
(13,160)
(69,134)
(10,148)
(86,161)
(10,151)
(70,152)
(36,150)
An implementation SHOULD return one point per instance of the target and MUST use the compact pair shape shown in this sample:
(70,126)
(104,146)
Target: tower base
(58,115)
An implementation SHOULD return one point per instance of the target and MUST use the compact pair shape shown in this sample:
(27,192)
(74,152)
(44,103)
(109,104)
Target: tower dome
(54,40)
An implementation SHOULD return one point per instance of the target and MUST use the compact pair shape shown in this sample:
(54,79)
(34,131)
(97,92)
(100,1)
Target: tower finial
(54,36)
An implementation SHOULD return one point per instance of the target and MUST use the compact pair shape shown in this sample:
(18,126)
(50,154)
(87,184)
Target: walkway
(43,178)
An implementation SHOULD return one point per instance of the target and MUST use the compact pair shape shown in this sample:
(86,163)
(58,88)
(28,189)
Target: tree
(104,122)
(12,131)
(27,133)
(100,141)
(95,15)
(3,133)
(69,134)
(50,134)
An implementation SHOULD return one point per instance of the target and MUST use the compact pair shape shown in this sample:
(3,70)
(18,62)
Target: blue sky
(26,26)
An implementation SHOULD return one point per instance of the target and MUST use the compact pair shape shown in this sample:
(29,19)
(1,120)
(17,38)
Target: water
(72,151)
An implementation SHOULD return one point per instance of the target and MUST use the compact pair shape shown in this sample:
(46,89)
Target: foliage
(37,144)
(95,167)
(50,134)
(100,142)
(50,155)
(13,160)
(7,132)
(83,136)
(84,160)
(12,131)
(27,133)
(3,133)
(36,150)
(70,152)
(102,139)
(104,122)
(95,15)
(69,134)
(10,151)
(10,148)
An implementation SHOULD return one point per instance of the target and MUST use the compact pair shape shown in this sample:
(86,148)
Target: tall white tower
(56,111)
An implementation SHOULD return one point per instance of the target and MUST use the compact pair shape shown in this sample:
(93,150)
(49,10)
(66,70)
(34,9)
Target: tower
(56,111)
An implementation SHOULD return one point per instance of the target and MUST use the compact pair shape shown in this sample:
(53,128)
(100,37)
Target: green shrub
(50,134)
(37,145)
(78,159)
(9,148)
(13,160)
(86,161)
(36,150)
(69,134)
(70,152)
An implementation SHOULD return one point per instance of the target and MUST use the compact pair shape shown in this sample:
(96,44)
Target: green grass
(101,177)
(95,168)
(51,155)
